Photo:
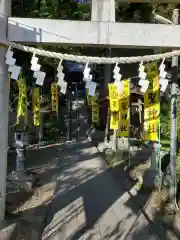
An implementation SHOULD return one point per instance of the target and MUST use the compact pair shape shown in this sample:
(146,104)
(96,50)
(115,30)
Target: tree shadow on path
(87,186)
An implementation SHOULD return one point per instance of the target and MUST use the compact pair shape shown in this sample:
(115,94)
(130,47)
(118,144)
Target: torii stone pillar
(5,11)
(104,11)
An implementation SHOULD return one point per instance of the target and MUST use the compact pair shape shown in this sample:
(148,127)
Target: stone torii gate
(102,30)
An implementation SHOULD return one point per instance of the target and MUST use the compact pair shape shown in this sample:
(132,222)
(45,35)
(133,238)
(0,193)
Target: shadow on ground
(89,190)
(85,195)
(28,209)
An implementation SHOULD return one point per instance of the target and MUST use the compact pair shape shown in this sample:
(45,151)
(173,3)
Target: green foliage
(23,8)
(69,9)
(51,9)
(165,9)
(165,130)
(142,12)
(134,12)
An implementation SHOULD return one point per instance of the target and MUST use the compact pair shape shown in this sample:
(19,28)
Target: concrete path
(90,203)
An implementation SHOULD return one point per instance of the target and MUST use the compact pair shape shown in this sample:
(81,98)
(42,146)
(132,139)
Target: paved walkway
(90,203)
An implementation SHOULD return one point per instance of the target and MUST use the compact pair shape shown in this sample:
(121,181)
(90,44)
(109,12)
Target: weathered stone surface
(7,230)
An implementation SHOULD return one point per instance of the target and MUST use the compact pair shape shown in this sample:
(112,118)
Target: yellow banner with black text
(36,106)
(54,97)
(124,116)
(95,109)
(152,104)
(119,107)
(22,101)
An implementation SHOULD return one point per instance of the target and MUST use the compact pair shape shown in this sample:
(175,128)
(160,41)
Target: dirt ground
(28,209)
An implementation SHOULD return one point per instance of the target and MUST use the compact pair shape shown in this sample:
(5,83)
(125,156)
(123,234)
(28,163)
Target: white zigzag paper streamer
(117,78)
(162,77)
(87,77)
(143,82)
(60,75)
(13,69)
(35,67)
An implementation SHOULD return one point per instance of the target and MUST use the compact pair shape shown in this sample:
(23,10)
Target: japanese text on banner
(95,113)
(89,102)
(151,104)
(90,99)
(95,109)
(54,97)
(114,121)
(113,97)
(36,106)
(124,110)
(126,90)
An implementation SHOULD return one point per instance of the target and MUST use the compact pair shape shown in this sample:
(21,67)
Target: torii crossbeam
(100,31)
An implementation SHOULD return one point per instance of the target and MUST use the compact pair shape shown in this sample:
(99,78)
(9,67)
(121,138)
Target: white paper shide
(38,74)
(117,78)
(143,82)
(11,62)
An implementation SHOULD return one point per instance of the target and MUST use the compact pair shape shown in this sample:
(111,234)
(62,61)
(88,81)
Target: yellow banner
(36,106)
(54,97)
(95,113)
(114,121)
(19,108)
(152,104)
(124,115)
(22,101)
(126,90)
(113,97)
(91,99)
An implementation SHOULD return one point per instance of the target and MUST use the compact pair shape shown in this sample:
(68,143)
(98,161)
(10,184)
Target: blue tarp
(74,67)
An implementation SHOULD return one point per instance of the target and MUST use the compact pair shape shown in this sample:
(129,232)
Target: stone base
(7,229)
(147,180)
(26,182)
